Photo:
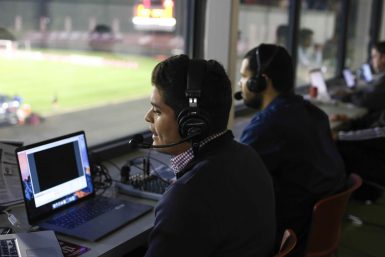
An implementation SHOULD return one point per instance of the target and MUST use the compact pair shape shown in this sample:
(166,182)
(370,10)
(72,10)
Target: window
(382,28)
(358,33)
(261,22)
(317,39)
(82,65)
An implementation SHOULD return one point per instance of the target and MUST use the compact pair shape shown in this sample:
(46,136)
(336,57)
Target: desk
(336,107)
(329,107)
(118,243)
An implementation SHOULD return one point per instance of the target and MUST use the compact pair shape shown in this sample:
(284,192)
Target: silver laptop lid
(34,244)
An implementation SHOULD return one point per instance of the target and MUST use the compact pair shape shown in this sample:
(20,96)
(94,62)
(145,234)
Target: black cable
(102,179)
(149,157)
(116,167)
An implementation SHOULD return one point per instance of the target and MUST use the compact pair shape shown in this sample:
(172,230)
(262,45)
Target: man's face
(163,125)
(251,99)
(378,61)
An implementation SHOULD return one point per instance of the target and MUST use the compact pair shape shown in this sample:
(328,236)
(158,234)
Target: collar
(281,100)
(180,161)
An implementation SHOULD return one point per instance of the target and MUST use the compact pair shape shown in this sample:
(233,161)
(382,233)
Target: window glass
(317,39)
(358,33)
(82,65)
(259,22)
(382,28)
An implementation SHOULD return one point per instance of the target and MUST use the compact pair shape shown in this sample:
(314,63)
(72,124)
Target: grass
(75,85)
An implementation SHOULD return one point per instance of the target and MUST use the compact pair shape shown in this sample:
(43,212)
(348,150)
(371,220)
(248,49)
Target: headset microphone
(137,141)
(238,95)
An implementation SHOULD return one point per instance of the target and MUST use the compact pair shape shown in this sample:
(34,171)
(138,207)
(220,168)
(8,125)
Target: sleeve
(183,227)
(371,119)
(363,134)
(372,98)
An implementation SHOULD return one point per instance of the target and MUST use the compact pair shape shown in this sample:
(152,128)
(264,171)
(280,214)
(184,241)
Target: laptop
(317,80)
(367,72)
(34,244)
(59,192)
(349,78)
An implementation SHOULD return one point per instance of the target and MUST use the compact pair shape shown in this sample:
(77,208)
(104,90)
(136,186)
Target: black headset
(258,83)
(193,121)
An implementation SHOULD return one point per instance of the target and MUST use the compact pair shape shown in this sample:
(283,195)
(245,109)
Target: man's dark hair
(304,34)
(280,70)
(282,35)
(170,78)
(380,47)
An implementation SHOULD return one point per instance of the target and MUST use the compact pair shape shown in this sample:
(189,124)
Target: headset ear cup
(261,85)
(256,84)
(192,121)
(252,84)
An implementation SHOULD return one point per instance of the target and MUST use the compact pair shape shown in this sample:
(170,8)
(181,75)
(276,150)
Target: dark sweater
(294,140)
(221,205)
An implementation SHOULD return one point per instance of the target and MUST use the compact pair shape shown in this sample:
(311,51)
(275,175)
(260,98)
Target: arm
(371,97)
(363,134)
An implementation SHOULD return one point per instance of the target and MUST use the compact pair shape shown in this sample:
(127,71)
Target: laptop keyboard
(8,248)
(86,212)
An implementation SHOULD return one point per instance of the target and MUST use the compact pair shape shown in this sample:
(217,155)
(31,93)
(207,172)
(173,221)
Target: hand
(339,117)
(342,93)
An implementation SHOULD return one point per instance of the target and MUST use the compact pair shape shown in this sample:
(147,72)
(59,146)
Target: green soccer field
(75,80)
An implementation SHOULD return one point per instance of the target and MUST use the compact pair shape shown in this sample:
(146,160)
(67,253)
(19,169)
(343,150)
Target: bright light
(158,18)
(168,22)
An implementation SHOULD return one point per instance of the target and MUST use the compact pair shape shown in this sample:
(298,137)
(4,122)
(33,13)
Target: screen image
(367,72)
(55,174)
(349,78)
(317,80)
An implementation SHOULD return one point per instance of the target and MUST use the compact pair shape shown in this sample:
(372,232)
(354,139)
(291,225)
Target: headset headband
(261,68)
(196,70)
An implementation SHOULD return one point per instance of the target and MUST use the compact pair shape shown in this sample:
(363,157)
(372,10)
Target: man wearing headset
(372,96)
(293,138)
(222,203)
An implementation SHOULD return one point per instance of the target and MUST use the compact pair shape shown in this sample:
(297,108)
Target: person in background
(222,203)
(362,146)
(292,136)
(102,38)
(282,35)
(372,96)
(309,54)
(361,141)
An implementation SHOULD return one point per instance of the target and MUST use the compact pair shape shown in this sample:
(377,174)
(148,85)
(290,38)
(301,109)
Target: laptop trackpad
(43,252)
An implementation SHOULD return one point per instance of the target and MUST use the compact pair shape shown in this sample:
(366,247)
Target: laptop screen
(54,173)
(367,72)
(317,80)
(349,78)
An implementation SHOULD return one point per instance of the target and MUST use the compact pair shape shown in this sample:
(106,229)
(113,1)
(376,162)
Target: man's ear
(267,79)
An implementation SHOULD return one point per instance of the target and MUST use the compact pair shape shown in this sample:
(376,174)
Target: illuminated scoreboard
(154,15)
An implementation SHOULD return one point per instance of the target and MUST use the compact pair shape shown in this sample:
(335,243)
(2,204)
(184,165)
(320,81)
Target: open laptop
(349,78)
(317,80)
(367,72)
(34,244)
(59,193)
